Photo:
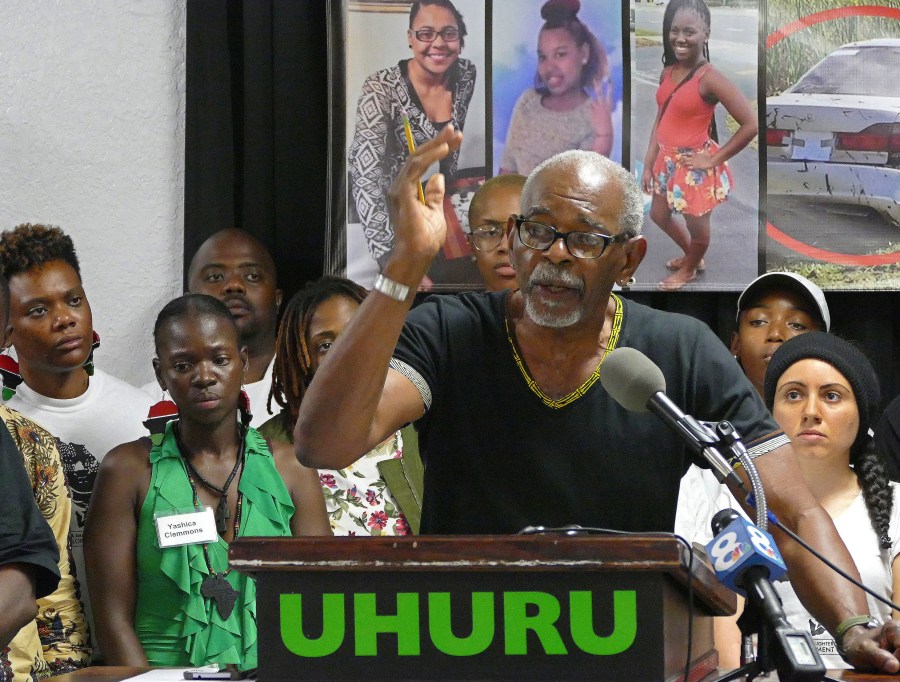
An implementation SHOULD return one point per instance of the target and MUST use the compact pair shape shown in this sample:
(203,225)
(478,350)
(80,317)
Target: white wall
(92,140)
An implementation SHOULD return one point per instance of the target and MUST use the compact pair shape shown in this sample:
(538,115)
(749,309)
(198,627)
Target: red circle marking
(828,15)
(773,39)
(830,256)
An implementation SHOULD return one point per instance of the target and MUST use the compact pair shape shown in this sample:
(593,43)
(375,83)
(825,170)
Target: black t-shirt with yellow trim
(500,456)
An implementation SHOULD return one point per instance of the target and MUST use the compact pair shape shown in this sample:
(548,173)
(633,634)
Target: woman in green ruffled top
(161,602)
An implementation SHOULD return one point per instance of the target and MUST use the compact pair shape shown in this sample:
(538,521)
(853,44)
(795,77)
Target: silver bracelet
(390,288)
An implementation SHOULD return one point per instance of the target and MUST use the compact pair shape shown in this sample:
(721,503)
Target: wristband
(867,621)
(390,288)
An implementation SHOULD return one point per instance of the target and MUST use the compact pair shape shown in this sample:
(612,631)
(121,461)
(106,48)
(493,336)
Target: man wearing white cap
(773,308)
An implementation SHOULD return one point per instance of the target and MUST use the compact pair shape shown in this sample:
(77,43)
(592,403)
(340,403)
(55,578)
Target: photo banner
(781,151)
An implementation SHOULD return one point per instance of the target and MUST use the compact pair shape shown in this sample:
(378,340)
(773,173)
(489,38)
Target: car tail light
(776,137)
(881,137)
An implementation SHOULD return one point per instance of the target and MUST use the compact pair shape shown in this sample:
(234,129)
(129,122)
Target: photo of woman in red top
(685,169)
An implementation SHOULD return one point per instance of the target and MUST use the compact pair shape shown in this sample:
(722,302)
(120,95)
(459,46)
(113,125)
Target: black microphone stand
(781,648)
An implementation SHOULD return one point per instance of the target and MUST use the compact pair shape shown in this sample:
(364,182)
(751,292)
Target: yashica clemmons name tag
(186,528)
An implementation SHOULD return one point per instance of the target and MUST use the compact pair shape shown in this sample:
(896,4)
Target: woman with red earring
(164,514)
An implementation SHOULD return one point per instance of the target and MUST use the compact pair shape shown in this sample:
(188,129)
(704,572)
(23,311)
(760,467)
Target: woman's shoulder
(529,99)
(127,467)
(389,75)
(708,76)
(466,66)
(132,451)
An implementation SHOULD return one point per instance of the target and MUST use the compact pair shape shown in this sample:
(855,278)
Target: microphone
(737,547)
(746,560)
(638,385)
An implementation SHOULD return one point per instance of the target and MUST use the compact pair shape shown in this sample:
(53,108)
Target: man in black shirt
(516,427)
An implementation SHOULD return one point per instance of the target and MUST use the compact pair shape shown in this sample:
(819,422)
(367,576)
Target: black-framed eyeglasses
(486,237)
(428,35)
(541,237)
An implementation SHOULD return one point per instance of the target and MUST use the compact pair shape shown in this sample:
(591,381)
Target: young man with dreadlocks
(379,494)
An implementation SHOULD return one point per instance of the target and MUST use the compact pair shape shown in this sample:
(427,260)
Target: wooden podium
(481,607)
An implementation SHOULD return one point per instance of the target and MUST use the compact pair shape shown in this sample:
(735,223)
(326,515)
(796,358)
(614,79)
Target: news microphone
(638,385)
(746,560)
(737,546)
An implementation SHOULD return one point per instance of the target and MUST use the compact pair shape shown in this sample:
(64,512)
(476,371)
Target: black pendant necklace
(214,586)
(221,513)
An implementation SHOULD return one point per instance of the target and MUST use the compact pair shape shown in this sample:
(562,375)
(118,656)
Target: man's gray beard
(549,318)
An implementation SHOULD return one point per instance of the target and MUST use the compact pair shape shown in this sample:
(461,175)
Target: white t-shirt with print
(696,509)
(874,564)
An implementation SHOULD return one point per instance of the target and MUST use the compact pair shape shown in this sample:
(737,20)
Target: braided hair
(867,462)
(668,58)
(292,371)
(877,492)
(702,10)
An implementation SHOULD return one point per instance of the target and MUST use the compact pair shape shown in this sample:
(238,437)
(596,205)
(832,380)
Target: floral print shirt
(357,499)
(56,641)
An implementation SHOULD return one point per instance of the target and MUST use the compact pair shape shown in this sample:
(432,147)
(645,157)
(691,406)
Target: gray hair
(631,219)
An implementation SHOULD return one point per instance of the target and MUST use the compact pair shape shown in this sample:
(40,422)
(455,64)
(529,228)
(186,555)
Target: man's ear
(735,344)
(635,250)
(278,296)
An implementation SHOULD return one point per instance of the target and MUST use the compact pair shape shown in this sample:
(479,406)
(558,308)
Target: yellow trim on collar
(611,343)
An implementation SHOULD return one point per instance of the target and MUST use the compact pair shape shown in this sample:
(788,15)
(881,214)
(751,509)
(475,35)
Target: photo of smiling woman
(430,84)
(557,80)
(684,170)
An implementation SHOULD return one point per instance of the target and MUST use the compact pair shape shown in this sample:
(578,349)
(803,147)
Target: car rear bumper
(876,187)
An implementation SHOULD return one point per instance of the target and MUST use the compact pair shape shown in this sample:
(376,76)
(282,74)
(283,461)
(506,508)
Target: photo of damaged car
(834,136)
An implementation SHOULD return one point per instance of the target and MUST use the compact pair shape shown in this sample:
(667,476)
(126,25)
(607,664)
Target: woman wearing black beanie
(824,393)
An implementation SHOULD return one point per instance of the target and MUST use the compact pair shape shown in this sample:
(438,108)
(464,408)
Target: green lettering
(332,626)
(442,633)
(405,624)
(624,631)
(517,622)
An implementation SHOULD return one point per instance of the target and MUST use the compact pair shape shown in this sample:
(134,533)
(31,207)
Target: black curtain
(257,128)
(261,75)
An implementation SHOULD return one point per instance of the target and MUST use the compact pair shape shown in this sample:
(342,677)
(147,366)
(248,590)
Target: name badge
(186,528)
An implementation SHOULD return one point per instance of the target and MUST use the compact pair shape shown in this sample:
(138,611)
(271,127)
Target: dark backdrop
(257,156)
(257,128)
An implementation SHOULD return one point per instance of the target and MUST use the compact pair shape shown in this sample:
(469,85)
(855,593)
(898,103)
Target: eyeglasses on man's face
(429,35)
(541,237)
(487,237)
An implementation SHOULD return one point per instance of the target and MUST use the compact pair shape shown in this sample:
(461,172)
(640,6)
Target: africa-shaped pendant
(215,587)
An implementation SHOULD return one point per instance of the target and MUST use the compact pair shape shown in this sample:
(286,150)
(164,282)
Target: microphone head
(739,546)
(721,520)
(631,378)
